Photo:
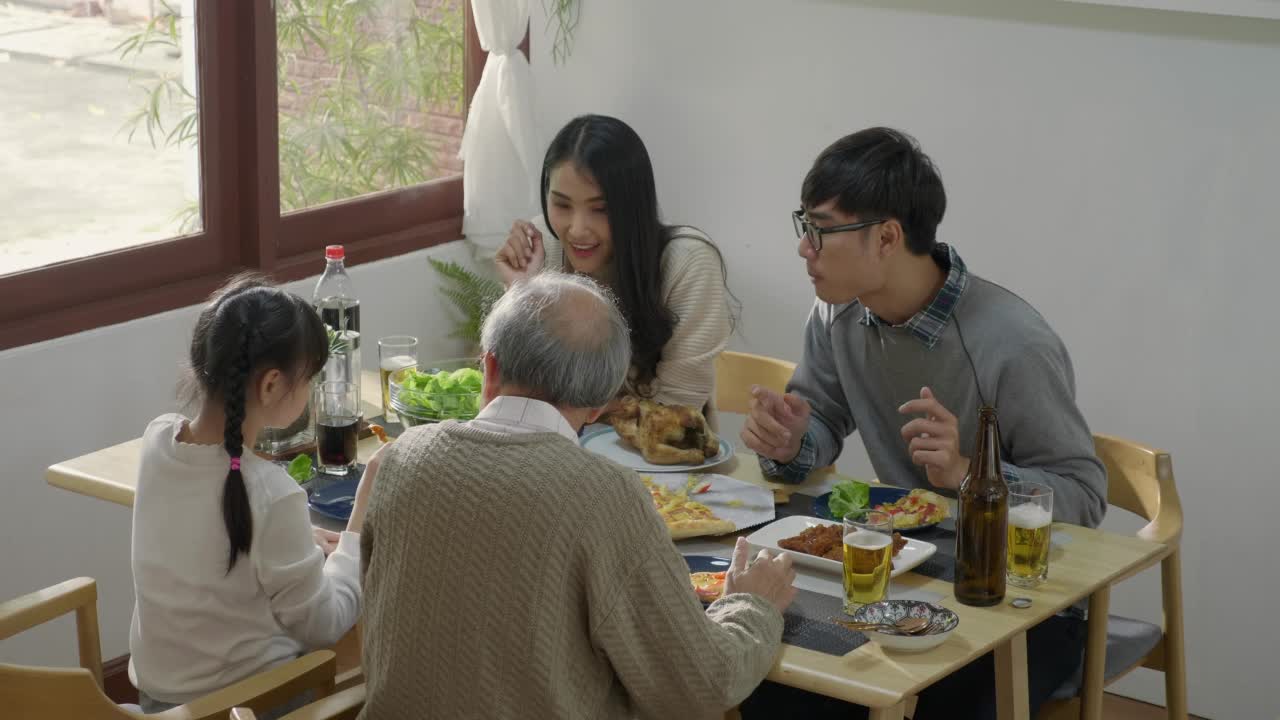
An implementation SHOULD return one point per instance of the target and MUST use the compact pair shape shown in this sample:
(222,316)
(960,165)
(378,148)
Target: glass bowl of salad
(435,391)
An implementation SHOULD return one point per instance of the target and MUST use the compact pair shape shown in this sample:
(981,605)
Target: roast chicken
(665,434)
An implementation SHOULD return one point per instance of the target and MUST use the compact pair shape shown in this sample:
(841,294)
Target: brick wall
(311,70)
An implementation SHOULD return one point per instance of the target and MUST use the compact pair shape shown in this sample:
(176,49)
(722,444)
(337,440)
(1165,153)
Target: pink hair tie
(235,463)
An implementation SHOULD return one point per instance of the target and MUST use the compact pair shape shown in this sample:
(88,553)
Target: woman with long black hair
(600,218)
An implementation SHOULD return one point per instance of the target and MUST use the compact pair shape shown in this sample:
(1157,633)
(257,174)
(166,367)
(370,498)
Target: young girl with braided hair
(228,576)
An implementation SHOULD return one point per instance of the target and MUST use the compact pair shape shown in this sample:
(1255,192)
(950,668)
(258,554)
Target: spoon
(905,626)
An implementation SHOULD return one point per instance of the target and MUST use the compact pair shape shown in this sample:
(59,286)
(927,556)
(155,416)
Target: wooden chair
(77,694)
(345,705)
(1140,480)
(736,372)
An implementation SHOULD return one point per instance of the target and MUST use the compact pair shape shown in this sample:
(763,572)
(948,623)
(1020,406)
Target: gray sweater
(856,374)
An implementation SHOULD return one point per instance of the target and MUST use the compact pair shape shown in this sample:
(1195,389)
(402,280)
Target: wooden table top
(1085,561)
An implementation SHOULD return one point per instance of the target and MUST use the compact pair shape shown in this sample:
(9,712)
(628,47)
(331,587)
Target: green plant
(354,131)
(565,14)
(338,344)
(472,294)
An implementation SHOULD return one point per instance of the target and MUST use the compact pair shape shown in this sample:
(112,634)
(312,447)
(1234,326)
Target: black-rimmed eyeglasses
(807,230)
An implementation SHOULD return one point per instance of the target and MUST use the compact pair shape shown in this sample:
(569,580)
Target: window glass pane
(97,127)
(371,96)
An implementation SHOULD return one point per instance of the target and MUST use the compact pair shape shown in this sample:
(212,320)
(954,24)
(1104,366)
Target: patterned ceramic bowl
(943,622)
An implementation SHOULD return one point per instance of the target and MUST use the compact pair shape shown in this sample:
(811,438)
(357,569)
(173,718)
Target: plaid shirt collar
(928,324)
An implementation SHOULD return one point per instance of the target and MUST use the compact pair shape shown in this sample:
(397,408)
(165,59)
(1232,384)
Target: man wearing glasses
(903,345)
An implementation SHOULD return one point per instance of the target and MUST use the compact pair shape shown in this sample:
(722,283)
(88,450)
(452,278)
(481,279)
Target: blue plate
(880,494)
(335,499)
(706,563)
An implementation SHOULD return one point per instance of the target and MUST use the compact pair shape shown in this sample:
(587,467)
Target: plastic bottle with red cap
(335,300)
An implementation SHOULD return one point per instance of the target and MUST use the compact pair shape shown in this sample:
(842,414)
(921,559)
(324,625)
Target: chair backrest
(1140,480)
(77,693)
(55,694)
(78,595)
(736,372)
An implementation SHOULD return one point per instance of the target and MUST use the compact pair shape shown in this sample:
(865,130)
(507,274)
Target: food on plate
(300,468)
(664,434)
(381,432)
(685,517)
(916,508)
(443,395)
(827,541)
(848,497)
(709,586)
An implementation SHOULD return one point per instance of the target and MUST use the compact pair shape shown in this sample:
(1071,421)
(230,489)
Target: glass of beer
(394,353)
(868,557)
(337,408)
(1030,525)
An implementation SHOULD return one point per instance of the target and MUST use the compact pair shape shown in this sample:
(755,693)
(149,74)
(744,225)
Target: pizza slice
(708,586)
(685,518)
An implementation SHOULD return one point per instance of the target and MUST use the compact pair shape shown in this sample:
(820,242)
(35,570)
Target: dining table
(1084,564)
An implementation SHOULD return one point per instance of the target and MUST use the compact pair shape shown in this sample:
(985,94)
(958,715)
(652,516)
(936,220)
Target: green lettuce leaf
(300,468)
(847,497)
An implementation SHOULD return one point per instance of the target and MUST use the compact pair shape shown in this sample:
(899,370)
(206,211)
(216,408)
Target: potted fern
(471,294)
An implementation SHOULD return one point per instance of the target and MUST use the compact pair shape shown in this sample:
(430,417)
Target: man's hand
(770,576)
(934,441)
(776,424)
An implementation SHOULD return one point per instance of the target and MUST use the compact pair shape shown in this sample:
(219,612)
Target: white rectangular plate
(767,537)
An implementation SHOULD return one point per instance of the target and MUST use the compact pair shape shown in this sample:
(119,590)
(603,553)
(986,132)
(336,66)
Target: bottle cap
(1021,602)
(334,252)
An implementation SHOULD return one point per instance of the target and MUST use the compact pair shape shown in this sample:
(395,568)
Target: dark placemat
(940,567)
(322,479)
(808,625)
(797,504)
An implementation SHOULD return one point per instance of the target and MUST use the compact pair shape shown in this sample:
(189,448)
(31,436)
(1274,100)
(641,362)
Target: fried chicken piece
(821,540)
(827,541)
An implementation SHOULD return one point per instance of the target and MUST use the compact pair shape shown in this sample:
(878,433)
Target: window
(98,133)
(157,152)
(371,97)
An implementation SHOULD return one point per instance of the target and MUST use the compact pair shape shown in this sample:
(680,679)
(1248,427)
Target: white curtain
(502,165)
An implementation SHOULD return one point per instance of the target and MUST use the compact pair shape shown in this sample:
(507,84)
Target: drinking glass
(868,557)
(1030,521)
(337,409)
(394,353)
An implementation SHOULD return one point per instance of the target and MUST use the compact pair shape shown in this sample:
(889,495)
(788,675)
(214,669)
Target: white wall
(1116,167)
(71,396)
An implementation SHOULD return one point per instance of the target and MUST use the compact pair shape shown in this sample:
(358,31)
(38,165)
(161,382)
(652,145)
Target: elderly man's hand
(770,576)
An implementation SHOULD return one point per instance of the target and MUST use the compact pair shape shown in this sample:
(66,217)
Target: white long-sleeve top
(197,628)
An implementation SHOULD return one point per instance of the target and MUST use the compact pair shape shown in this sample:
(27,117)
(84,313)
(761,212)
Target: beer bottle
(982,522)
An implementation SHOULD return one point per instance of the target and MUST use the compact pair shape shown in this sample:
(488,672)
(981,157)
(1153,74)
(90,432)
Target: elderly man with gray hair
(510,573)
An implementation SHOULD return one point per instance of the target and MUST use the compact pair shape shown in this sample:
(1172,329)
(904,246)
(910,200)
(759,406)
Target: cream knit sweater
(519,576)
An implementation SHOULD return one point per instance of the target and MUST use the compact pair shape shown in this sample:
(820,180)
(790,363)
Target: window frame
(240,199)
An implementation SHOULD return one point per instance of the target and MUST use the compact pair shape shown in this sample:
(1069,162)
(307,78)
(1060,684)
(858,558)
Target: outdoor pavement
(73,184)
